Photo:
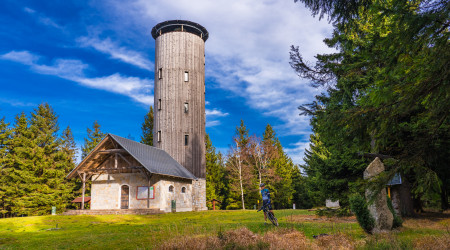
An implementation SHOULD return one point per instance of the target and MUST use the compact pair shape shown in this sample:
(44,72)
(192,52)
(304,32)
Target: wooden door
(124,197)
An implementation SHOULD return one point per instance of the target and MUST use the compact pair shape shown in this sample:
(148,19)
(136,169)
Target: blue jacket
(265,195)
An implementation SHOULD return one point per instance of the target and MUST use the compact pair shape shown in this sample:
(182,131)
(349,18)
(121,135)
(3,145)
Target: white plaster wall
(105,192)
(183,200)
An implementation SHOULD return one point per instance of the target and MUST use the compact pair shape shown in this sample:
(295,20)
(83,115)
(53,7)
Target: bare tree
(260,154)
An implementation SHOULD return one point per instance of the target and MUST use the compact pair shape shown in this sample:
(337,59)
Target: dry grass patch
(433,242)
(243,238)
(437,223)
(314,218)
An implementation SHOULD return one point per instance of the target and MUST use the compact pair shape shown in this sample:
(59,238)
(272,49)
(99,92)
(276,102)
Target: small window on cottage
(171,188)
(183,190)
(159,104)
(159,135)
(160,73)
(186,107)
(186,140)
(186,76)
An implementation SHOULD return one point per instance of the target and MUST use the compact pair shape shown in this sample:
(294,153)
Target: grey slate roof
(155,160)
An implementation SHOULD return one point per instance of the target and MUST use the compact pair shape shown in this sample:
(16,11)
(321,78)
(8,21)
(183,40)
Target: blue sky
(94,60)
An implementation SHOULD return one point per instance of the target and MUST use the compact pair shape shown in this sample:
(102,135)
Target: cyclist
(266,199)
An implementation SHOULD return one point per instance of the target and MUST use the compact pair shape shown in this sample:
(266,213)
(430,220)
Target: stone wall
(183,200)
(106,188)
(199,195)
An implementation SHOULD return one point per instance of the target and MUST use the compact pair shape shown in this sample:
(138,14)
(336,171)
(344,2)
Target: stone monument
(378,208)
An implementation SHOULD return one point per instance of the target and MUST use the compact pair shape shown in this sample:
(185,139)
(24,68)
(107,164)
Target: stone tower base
(199,195)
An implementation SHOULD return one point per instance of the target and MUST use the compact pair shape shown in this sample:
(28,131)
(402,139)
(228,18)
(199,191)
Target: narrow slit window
(159,136)
(186,140)
(159,104)
(186,107)
(160,73)
(186,76)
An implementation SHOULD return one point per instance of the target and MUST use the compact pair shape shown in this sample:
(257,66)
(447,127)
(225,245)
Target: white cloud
(29,10)
(116,52)
(41,18)
(70,69)
(296,151)
(248,49)
(16,103)
(134,87)
(215,112)
(212,123)
(212,115)
(24,57)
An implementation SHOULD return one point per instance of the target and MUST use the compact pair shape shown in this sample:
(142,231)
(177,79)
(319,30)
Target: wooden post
(389,192)
(148,194)
(214,204)
(84,187)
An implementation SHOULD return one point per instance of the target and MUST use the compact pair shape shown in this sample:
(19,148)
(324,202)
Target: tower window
(171,189)
(183,190)
(159,136)
(186,140)
(186,76)
(186,107)
(159,104)
(160,73)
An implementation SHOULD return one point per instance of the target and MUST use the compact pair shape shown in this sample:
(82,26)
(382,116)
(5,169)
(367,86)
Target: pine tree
(147,128)
(94,138)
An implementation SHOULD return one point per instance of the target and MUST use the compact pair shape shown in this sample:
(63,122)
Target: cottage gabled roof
(154,160)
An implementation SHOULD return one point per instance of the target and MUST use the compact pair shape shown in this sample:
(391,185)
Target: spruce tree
(50,165)
(147,128)
(215,174)
(5,136)
(94,137)
(17,172)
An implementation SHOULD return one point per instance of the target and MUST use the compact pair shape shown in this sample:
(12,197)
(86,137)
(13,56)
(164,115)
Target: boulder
(378,208)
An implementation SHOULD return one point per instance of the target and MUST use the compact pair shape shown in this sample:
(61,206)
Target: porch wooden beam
(112,151)
(84,187)
(121,156)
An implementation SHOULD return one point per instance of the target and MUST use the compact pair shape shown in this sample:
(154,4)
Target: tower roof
(180,25)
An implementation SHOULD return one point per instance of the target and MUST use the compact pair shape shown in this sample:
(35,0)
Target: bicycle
(269,214)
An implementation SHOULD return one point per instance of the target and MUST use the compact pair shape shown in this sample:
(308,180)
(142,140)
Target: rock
(331,204)
(378,208)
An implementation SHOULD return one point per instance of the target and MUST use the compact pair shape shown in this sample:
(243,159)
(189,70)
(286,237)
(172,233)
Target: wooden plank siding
(175,53)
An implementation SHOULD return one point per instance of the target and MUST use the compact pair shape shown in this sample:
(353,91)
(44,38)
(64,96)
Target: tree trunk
(444,196)
(406,202)
(242,188)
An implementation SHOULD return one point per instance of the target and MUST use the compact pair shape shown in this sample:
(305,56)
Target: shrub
(330,212)
(397,220)
(358,206)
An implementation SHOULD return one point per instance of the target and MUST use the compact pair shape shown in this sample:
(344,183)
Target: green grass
(148,231)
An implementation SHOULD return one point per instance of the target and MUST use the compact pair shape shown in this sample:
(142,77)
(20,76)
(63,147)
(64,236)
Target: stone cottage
(129,175)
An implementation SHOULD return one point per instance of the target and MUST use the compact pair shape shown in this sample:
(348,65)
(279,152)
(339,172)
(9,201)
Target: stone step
(113,211)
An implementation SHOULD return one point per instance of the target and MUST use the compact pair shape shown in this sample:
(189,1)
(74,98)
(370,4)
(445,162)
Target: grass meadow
(217,230)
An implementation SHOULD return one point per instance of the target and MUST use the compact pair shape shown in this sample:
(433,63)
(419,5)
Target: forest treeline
(386,92)
(36,156)
(234,179)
